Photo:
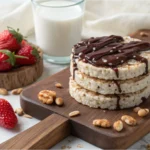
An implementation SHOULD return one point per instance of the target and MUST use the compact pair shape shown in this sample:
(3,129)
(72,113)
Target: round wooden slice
(21,76)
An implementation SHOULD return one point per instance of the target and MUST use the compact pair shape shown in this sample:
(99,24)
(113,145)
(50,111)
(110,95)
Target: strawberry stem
(18,56)
(16,34)
(11,59)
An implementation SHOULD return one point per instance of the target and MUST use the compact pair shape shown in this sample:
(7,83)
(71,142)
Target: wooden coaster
(21,76)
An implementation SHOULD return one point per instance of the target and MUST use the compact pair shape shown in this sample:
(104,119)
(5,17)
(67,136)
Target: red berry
(29,52)
(8,118)
(10,39)
(7,60)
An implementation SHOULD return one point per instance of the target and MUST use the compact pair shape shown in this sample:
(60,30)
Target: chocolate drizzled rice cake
(110,72)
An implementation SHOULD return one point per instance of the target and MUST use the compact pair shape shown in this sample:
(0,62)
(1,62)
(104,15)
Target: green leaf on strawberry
(11,56)
(35,53)
(16,34)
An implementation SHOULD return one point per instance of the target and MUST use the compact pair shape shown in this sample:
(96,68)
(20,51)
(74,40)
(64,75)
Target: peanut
(118,125)
(27,116)
(143,112)
(143,34)
(3,91)
(16,91)
(136,109)
(58,85)
(101,123)
(148,146)
(74,113)
(59,101)
(129,120)
(47,96)
(19,111)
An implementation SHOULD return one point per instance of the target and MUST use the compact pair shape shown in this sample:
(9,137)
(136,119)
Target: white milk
(58,29)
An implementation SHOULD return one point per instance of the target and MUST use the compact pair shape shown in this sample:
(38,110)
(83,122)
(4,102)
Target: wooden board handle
(43,135)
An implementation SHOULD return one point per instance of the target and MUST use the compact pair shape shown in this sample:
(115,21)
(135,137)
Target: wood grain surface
(22,76)
(41,136)
(81,126)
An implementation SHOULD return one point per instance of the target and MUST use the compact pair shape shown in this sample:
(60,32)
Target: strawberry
(8,118)
(28,51)
(10,39)
(7,60)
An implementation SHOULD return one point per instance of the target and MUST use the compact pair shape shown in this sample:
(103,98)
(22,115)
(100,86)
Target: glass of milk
(58,26)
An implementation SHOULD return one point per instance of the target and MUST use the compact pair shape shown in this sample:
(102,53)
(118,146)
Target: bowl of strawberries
(21,62)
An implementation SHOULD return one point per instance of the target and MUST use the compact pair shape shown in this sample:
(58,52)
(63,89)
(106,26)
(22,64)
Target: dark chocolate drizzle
(118,102)
(109,51)
(116,72)
(118,85)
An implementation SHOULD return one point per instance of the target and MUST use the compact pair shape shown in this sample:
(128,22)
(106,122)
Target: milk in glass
(58,27)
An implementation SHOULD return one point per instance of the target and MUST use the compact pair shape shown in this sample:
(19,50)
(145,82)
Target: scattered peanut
(148,146)
(59,101)
(129,120)
(52,93)
(136,109)
(19,111)
(47,96)
(3,91)
(101,123)
(80,146)
(143,112)
(118,125)
(58,85)
(27,116)
(16,91)
(74,113)
(143,34)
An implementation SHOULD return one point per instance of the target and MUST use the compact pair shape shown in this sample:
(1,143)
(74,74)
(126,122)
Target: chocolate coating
(109,51)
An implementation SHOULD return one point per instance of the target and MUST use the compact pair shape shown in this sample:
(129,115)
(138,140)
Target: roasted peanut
(74,113)
(59,101)
(58,85)
(3,91)
(101,123)
(16,91)
(129,120)
(143,34)
(143,112)
(19,111)
(136,109)
(118,125)
(148,146)
(27,116)
(47,96)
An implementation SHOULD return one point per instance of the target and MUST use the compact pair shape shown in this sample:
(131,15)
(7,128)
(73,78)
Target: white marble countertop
(72,143)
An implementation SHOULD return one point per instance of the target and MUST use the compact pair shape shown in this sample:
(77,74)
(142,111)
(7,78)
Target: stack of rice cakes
(110,72)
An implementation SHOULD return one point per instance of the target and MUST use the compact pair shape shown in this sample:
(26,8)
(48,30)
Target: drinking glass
(58,26)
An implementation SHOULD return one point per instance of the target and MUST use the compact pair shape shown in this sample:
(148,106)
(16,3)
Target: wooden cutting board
(81,126)
(58,125)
